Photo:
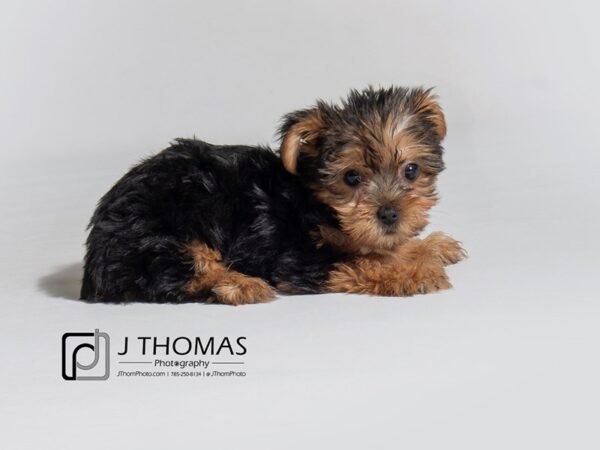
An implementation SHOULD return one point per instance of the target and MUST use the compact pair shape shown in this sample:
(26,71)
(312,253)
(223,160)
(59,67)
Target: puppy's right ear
(298,134)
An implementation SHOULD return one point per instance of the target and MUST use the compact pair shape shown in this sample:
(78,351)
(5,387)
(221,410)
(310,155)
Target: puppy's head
(373,159)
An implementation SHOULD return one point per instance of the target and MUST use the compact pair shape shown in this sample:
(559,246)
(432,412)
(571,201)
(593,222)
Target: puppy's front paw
(444,248)
(369,276)
(428,278)
(423,279)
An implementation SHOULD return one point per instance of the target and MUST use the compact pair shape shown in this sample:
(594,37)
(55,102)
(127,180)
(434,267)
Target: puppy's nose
(387,215)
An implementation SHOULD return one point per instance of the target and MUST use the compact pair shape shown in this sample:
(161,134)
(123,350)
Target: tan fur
(383,184)
(227,286)
(416,268)
(239,289)
(299,138)
(435,113)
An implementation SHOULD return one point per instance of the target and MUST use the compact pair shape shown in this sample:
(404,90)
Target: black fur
(239,200)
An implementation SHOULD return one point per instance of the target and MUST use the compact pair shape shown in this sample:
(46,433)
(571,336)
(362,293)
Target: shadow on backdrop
(63,282)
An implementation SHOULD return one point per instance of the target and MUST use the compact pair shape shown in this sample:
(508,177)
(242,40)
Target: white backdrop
(507,359)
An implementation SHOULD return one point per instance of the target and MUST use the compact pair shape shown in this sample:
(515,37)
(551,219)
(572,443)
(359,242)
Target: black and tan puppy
(337,211)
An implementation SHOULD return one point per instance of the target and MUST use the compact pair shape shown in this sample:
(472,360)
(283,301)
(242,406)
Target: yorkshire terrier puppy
(337,211)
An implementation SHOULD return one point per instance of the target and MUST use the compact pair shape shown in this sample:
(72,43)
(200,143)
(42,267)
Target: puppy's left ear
(430,110)
(298,134)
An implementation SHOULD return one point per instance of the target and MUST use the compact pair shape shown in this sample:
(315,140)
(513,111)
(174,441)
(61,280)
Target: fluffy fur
(235,224)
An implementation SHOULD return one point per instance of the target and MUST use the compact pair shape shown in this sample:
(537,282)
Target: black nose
(387,215)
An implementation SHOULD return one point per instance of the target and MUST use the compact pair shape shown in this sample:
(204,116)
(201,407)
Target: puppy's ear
(428,109)
(298,134)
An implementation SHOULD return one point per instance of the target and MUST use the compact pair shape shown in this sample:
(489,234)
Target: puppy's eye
(352,178)
(411,171)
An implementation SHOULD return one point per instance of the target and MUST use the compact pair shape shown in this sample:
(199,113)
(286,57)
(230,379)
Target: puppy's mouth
(391,234)
(389,230)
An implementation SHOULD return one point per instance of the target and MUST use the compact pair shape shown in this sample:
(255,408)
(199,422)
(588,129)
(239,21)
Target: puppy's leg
(416,268)
(388,276)
(227,286)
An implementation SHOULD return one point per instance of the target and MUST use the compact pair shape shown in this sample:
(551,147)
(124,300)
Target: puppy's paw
(424,279)
(239,289)
(444,248)
(428,278)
